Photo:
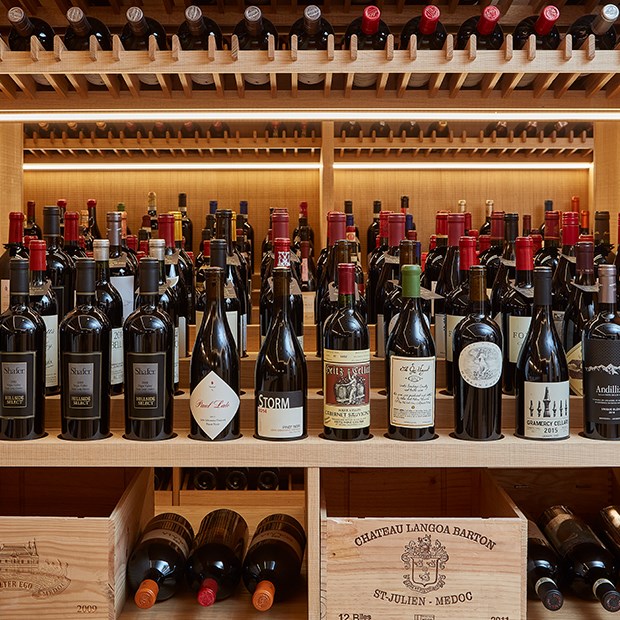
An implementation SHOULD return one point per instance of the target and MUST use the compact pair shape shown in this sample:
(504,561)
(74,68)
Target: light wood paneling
(606,182)
(11,178)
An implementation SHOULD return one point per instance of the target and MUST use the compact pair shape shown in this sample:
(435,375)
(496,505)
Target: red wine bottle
(281,380)
(590,568)
(489,36)
(155,568)
(91,205)
(544,572)
(214,369)
(186,269)
(14,248)
(410,352)
(122,272)
(565,272)
(272,564)
(548,207)
(477,367)
(190,129)
(31,228)
(544,28)
(308,270)
(268,479)
(205,478)
(214,565)
(249,231)
(22,358)
(457,302)
(436,256)
(542,385)
(490,258)
(610,524)
(373,229)
(601,346)
(85,238)
(372,34)
(516,311)
(485,229)
(71,245)
(187,226)
(85,362)
(375,263)
(602,246)
(346,366)
(148,342)
(549,254)
(506,270)
(600,24)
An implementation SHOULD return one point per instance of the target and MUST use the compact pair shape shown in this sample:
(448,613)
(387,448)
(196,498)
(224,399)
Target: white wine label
(440,335)
(480,364)
(116,356)
(176,355)
(575,370)
(18,384)
(412,391)
(546,410)
(280,415)
(558,321)
(204,79)
(124,285)
(233,323)
(452,321)
(346,389)
(5,294)
(419,79)
(601,381)
(279,536)
(364,80)
(304,270)
(146,386)
(82,383)
(518,327)
(256,79)
(51,350)
(380,332)
(213,404)
(311,78)
(182,336)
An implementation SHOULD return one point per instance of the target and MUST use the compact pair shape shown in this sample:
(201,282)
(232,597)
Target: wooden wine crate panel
(65,539)
(422,544)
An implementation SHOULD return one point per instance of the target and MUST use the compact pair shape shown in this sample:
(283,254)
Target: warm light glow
(427,165)
(77,167)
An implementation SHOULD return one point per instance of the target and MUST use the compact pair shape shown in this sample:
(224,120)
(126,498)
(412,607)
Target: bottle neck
(102,271)
(84,299)
(80,26)
(281,294)
(223,230)
(524,278)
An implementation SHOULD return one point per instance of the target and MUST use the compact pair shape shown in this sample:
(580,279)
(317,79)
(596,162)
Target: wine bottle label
(601,381)
(440,335)
(116,356)
(558,320)
(51,350)
(281,528)
(364,80)
(81,382)
(59,291)
(232,319)
(575,370)
(380,332)
(304,271)
(256,79)
(176,355)
(452,321)
(311,78)
(182,336)
(412,391)
(171,528)
(480,364)
(213,404)
(204,79)
(543,580)
(146,378)
(518,327)
(565,533)
(18,384)
(388,259)
(346,388)
(280,415)
(223,527)
(5,294)
(278,536)
(233,260)
(125,286)
(546,409)
(244,333)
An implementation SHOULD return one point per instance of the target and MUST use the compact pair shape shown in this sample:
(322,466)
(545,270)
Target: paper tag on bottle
(426,294)
(586,288)
(5,294)
(440,335)
(570,259)
(508,262)
(388,259)
(412,391)
(452,321)
(528,293)
(213,404)
(51,350)
(116,356)
(125,286)
(546,410)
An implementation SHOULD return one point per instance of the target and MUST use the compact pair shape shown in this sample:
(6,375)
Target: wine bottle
(350,221)
(491,258)
(205,478)
(457,302)
(372,34)
(76,130)
(281,381)
(430,34)
(584,223)
(477,367)
(542,385)
(410,352)
(148,342)
(78,34)
(71,245)
(527,225)
(214,369)
(312,32)
(489,36)
(308,270)
(110,302)
(548,207)
(155,568)
(600,24)
(544,572)
(236,478)
(91,205)
(249,231)
(565,271)
(253,32)
(610,522)
(43,301)
(375,263)
(485,229)
(589,566)
(336,231)
(187,225)
(549,254)
(85,362)
(516,311)
(409,129)
(14,249)
(105,130)
(189,129)
(506,270)
(439,129)
(136,34)
(31,228)
(272,564)
(435,257)
(194,34)
(22,358)
(346,366)
(602,246)
(499,129)
(601,344)
(373,229)
(186,271)
(85,238)
(122,273)
(214,565)
(350,129)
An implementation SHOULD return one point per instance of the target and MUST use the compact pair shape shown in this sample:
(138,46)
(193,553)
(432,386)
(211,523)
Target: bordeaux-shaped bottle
(187,226)
(71,245)
(281,380)
(272,564)
(155,569)
(436,256)
(490,258)
(148,343)
(214,369)
(248,230)
(22,360)
(410,352)
(506,270)
(542,386)
(610,528)
(214,565)
(346,366)
(477,367)
(601,365)
(85,238)
(205,478)
(565,272)
(373,228)
(544,572)
(600,24)
(375,264)
(122,272)
(14,248)
(31,228)
(549,254)
(85,362)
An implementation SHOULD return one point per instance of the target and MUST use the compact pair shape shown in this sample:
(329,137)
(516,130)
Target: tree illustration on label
(213,404)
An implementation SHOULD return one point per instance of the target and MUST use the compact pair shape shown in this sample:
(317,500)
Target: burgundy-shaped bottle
(14,248)
(549,254)
(506,269)
(490,258)
(373,229)
(565,272)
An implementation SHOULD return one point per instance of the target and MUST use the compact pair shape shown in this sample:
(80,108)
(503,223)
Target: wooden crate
(65,536)
(420,544)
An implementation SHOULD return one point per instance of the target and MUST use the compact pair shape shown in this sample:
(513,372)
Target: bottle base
(165,438)
(467,438)
(71,438)
(434,436)
(276,439)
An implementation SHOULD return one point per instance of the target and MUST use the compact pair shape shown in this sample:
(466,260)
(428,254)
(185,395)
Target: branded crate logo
(424,560)
(22,569)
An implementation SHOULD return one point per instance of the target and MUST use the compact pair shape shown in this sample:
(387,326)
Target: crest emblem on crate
(424,560)
(21,568)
